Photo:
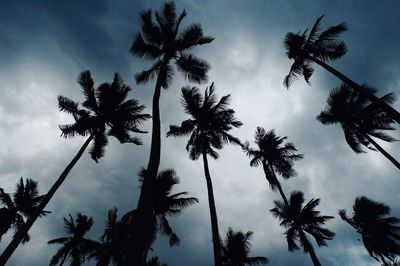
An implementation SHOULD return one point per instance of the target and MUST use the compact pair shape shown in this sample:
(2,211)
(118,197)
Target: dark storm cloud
(45,44)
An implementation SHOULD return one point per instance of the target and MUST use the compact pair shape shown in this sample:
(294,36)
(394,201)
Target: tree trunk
(213,213)
(381,150)
(24,230)
(370,96)
(278,184)
(309,248)
(142,231)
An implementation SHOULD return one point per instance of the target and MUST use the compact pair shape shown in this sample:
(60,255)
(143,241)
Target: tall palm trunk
(309,248)
(381,150)
(25,228)
(213,213)
(278,184)
(370,96)
(142,230)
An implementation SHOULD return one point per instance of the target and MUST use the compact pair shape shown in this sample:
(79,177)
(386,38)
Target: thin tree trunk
(278,184)
(309,248)
(25,228)
(213,214)
(142,230)
(381,150)
(370,96)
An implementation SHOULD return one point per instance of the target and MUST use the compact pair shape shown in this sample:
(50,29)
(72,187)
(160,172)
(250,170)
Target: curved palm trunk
(278,184)
(24,230)
(213,214)
(309,248)
(381,150)
(370,96)
(142,230)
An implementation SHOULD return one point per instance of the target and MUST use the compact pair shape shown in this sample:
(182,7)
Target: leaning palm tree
(360,120)
(273,156)
(321,47)
(105,112)
(208,129)
(298,220)
(380,232)
(163,43)
(236,249)
(22,205)
(75,246)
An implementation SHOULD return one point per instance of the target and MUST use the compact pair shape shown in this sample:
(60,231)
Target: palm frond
(193,68)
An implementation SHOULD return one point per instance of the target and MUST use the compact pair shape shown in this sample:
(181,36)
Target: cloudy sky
(45,44)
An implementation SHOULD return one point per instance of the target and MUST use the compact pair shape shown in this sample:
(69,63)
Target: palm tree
(75,247)
(273,156)
(104,112)
(167,204)
(24,202)
(360,120)
(236,249)
(208,129)
(114,242)
(299,220)
(380,233)
(163,43)
(321,47)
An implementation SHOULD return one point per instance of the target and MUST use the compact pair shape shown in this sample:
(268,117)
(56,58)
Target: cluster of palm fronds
(106,112)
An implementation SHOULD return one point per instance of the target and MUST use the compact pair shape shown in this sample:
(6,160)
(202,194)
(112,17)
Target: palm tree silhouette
(321,47)
(75,247)
(380,233)
(163,43)
(208,129)
(23,203)
(104,112)
(114,242)
(273,157)
(299,220)
(360,120)
(167,204)
(236,249)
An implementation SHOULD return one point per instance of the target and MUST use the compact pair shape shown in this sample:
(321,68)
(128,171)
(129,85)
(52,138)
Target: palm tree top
(162,41)
(209,123)
(356,114)
(322,45)
(271,150)
(380,232)
(295,217)
(236,250)
(104,107)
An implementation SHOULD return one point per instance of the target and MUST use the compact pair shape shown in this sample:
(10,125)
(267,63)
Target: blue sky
(44,45)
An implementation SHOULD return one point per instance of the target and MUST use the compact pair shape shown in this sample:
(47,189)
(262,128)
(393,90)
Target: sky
(45,44)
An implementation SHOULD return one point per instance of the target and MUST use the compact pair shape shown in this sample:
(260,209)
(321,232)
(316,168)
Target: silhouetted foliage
(163,43)
(360,120)
(154,261)
(105,111)
(299,219)
(320,47)
(23,203)
(236,250)
(75,247)
(167,204)
(208,129)
(114,242)
(380,232)
(273,157)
